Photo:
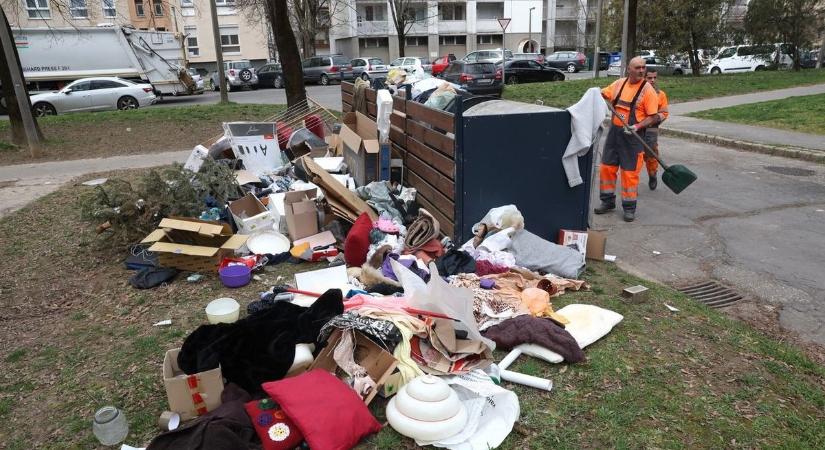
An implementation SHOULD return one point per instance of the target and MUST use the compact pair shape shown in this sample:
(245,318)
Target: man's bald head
(636,69)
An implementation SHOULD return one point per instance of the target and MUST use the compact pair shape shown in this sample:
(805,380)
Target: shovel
(677,177)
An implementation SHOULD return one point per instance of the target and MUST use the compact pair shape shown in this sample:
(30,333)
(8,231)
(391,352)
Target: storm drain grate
(711,293)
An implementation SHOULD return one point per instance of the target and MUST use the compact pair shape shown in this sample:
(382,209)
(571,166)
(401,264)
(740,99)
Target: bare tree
(405,14)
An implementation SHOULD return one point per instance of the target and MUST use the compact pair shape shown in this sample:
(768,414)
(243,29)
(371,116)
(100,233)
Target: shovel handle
(627,127)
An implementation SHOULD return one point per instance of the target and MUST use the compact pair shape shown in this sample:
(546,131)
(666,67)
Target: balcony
(452,26)
(571,41)
(373,28)
(484,26)
(572,13)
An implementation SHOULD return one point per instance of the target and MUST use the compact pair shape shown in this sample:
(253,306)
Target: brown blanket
(533,330)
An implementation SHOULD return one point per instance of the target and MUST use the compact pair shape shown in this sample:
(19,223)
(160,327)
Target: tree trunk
(821,52)
(287,45)
(401,42)
(18,130)
(631,29)
(693,55)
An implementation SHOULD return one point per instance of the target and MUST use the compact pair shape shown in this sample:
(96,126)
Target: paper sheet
(321,280)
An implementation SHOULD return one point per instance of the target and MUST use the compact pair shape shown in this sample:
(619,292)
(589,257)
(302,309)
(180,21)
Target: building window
(109,8)
(38,9)
(78,9)
(451,11)
(417,13)
(139,11)
(489,11)
(229,40)
(374,13)
(373,42)
(452,40)
(416,41)
(191,33)
(187,3)
(489,39)
(225,2)
(158,8)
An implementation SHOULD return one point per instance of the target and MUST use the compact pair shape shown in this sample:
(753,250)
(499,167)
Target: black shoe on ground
(652,183)
(629,216)
(604,208)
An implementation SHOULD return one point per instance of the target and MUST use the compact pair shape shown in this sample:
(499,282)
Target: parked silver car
(368,67)
(239,74)
(409,63)
(493,56)
(94,94)
(325,69)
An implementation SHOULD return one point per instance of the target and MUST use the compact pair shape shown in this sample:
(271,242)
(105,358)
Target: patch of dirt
(765,318)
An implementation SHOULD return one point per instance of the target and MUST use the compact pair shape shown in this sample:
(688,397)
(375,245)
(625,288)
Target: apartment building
(75,13)
(365,27)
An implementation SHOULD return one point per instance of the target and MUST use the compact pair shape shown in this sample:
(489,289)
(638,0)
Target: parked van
(747,58)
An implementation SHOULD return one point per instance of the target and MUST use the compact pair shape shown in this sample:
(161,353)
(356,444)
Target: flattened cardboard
(323,239)
(246,176)
(192,244)
(209,386)
(378,363)
(596,241)
(301,214)
(359,134)
(343,201)
(251,215)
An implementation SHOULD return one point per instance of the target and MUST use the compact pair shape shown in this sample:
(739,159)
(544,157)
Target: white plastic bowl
(223,310)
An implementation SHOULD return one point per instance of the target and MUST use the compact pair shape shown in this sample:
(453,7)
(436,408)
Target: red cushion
(357,243)
(274,427)
(329,413)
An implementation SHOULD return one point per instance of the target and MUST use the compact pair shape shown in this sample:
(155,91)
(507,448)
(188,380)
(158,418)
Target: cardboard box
(569,238)
(301,214)
(391,385)
(378,363)
(192,244)
(359,135)
(251,215)
(190,395)
(591,243)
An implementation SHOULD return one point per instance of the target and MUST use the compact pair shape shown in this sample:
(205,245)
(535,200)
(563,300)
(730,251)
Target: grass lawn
(145,130)
(76,336)
(679,89)
(805,114)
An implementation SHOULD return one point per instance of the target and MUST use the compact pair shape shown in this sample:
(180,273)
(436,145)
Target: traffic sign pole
(504,22)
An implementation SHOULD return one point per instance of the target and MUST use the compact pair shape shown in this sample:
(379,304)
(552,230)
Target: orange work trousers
(608,176)
(650,162)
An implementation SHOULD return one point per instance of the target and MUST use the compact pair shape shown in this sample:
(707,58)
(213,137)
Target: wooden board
(435,178)
(432,138)
(431,157)
(438,119)
(444,204)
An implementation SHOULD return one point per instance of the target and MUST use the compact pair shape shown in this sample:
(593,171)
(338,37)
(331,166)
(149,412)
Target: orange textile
(630,181)
(646,105)
(650,162)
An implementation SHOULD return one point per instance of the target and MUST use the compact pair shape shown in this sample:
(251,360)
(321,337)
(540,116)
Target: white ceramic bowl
(223,310)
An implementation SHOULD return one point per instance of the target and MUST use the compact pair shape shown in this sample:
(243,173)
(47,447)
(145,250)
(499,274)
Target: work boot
(652,182)
(629,216)
(604,208)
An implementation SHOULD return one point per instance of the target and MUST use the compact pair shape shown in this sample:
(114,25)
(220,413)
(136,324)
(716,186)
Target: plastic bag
(502,217)
(438,296)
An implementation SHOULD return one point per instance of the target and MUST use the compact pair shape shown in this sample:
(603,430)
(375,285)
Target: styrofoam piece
(520,378)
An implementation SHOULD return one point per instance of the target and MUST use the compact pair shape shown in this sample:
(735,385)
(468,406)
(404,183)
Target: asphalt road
(754,222)
(328,96)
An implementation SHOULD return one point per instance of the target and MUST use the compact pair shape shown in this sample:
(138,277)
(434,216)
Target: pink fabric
(487,268)
(382,303)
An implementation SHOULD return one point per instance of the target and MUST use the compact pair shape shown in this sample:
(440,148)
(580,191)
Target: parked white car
(409,63)
(94,94)
(746,58)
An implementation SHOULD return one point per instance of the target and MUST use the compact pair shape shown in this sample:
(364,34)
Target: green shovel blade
(678,177)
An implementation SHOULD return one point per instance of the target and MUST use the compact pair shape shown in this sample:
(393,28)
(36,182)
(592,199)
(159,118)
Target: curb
(788,152)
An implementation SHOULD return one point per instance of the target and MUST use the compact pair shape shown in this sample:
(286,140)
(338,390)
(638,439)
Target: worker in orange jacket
(636,101)
(652,133)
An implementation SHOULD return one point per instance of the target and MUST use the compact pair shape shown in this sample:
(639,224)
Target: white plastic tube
(520,378)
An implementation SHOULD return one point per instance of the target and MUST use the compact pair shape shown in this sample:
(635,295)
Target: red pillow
(274,427)
(357,243)
(327,411)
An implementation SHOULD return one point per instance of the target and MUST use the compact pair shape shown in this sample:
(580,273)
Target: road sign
(504,22)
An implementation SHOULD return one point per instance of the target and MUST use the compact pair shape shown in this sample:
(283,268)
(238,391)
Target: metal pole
(19,86)
(625,56)
(596,51)
(216,37)
(530,30)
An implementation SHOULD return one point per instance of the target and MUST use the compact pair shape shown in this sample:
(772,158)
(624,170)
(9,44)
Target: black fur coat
(260,347)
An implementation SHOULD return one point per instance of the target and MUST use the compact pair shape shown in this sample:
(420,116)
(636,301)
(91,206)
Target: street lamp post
(530,29)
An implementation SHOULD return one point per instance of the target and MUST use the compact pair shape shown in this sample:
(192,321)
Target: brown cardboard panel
(181,249)
(301,213)
(192,244)
(335,191)
(596,242)
(209,385)
(378,363)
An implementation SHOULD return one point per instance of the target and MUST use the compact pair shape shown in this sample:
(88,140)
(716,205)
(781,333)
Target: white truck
(53,57)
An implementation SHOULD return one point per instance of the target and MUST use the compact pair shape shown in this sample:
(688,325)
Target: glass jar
(110,426)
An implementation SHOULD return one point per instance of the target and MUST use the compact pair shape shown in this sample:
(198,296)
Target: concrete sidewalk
(23,183)
(742,136)
(678,109)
